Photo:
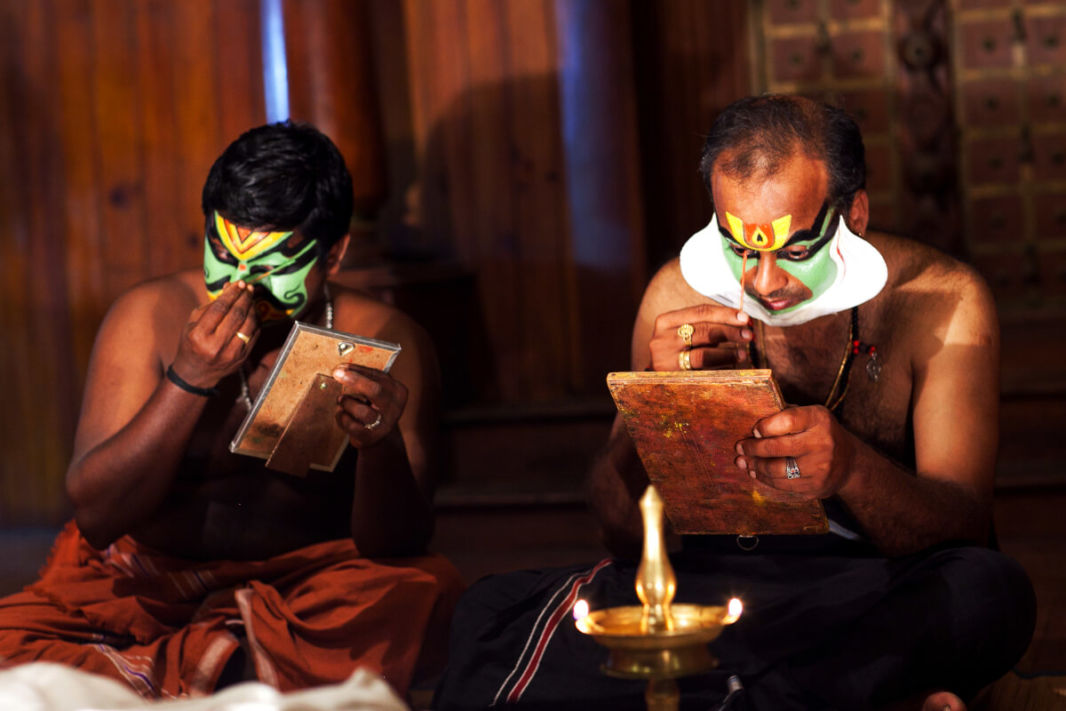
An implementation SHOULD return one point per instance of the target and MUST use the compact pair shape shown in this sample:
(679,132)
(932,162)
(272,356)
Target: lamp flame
(581,610)
(734,609)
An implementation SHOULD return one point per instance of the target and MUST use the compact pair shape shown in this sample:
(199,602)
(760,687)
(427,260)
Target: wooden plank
(155,38)
(546,316)
(85,274)
(200,98)
(16,422)
(117,107)
(238,54)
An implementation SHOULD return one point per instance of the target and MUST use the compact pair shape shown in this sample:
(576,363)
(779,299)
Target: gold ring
(684,361)
(243,337)
(375,423)
(686,330)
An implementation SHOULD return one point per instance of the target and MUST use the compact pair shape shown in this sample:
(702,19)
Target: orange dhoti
(168,626)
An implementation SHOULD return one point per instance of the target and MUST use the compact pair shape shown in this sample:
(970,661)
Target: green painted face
(277,261)
(801,255)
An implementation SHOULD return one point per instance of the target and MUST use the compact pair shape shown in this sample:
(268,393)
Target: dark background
(522,167)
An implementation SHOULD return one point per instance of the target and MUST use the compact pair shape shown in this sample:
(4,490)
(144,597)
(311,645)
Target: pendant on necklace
(873,366)
(873,362)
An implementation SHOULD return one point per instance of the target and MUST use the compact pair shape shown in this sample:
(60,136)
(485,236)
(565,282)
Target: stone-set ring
(686,330)
(792,470)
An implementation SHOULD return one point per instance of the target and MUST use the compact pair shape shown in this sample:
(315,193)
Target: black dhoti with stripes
(820,630)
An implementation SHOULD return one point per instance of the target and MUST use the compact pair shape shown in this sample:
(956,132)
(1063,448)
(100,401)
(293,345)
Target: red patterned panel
(792,11)
(858,55)
(981,4)
(869,108)
(854,9)
(795,59)
(1045,40)
(1051,267)
(991,102)
(1046,98)
(996,219)
(992,160)
(1007,273)
(879,167)
(986,44)
(1050,209)
(1049,156)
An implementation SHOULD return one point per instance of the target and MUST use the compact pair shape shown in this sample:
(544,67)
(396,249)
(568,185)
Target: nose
(768,276)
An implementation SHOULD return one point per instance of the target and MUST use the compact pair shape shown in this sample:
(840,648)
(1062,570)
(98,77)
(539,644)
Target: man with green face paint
(188,567)
(233,254)
(887,352)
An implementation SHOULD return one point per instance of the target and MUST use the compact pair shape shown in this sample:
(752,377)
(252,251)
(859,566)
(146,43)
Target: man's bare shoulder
(668,290)
(164,302)
(360,314)
(929,291)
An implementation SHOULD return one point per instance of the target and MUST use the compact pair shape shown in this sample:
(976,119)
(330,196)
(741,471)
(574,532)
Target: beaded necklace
(840,384)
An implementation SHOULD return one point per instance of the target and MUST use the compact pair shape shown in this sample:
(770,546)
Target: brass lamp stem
(656,583)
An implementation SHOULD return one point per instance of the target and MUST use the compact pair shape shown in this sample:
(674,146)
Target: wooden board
(685,426)
(309,351)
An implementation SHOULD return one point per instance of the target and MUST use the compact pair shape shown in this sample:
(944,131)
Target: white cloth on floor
(46,686)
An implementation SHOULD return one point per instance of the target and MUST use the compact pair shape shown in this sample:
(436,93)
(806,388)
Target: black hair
(754,136)
(283,176)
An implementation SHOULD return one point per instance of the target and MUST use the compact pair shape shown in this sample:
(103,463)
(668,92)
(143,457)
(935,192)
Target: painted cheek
(817,273)
(216,272)
(735,263)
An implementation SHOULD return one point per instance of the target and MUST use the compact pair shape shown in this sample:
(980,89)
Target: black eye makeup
(826,219)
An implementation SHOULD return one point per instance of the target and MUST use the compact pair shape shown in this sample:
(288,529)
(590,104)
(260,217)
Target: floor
(483,539)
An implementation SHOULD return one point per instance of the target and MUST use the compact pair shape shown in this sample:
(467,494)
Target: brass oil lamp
(657,641)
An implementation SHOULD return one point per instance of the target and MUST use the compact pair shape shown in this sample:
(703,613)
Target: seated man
(887,352)
(185,561)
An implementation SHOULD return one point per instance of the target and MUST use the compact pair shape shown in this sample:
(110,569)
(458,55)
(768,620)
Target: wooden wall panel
(113,110)
(486,119)
(691,61)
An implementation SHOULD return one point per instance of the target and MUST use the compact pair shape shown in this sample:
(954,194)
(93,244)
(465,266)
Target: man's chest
(863,374)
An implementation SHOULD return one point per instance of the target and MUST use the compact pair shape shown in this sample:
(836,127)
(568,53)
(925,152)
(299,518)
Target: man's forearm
(123,480)
(904,513)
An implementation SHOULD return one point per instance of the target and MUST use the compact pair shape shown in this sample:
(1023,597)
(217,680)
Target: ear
(858,217)
(336,255)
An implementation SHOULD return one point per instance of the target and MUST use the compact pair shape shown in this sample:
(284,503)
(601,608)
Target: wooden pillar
(331,84)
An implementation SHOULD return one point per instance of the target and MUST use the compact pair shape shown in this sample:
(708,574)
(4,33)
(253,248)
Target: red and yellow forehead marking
(245,243)
(764,237)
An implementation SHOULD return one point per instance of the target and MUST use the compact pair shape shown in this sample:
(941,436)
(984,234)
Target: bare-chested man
(185,557)
(887,351)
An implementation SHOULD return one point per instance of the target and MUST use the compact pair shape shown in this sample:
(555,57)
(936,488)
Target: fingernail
(751,473)
(338,374)
(742,317)
(757,434)
(741,463)
(746,334)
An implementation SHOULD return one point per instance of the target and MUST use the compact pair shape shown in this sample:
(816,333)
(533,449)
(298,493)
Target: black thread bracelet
(188,387)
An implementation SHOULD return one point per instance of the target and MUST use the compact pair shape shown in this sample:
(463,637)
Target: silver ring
(375,423)
(792,470)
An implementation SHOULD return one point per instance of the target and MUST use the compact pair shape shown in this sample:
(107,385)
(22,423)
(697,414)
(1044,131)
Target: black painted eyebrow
(803,235)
